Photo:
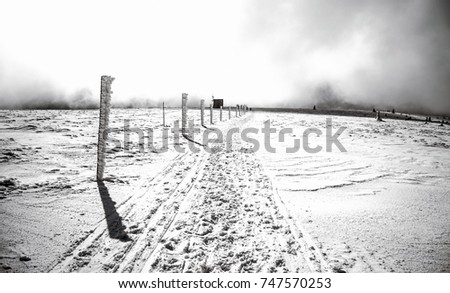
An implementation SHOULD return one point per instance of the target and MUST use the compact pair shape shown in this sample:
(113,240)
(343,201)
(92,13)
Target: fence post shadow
(191,140)
(116,228)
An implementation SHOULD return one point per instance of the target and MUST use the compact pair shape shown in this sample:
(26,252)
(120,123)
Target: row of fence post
(240,109)
(105,105)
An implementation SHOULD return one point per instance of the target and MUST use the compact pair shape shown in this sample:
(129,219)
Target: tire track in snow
(97,247)
(229,222)
(204,213)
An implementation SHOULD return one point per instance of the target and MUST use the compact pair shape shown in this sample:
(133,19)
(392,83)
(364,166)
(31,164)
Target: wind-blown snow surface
(381,206)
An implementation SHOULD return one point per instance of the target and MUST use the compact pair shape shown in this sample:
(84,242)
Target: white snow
(381,206)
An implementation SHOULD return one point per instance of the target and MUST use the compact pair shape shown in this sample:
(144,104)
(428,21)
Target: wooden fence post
(164,117)
(184,98)
(105,104)
(211,113)
(202,112)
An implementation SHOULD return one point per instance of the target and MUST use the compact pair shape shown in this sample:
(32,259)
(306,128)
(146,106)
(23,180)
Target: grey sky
(259,52)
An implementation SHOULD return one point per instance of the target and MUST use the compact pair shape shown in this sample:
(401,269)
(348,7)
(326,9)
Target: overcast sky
(259,52)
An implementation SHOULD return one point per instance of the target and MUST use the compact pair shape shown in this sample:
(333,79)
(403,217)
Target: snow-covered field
(381,206)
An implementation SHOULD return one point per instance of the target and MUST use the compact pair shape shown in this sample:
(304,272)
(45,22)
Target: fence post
(211,113)
(164,117)
(105,103)
(220,113)
(229,112)
(202,112)
(236,110)
(184,98)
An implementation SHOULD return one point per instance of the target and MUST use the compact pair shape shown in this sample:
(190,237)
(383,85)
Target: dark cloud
(326,97)
(409,45)
(403,59)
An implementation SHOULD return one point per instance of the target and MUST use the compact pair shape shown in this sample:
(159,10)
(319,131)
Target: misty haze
(242,136)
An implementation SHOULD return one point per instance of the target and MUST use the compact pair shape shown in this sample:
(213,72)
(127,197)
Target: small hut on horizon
(217,103)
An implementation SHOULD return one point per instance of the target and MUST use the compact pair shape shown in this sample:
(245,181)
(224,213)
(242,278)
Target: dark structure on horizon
(217,103)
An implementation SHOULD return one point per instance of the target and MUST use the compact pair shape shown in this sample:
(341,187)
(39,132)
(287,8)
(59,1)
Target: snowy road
(382,206)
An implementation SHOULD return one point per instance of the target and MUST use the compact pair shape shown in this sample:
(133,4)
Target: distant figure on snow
(314,108)
(379,116)
(393,111)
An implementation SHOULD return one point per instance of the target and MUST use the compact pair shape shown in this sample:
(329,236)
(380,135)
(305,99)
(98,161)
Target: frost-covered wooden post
(105,103)
(164,117)
(184,98)
(236,110)
(229,112)
(211,113)
(220,113)
(202,112)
